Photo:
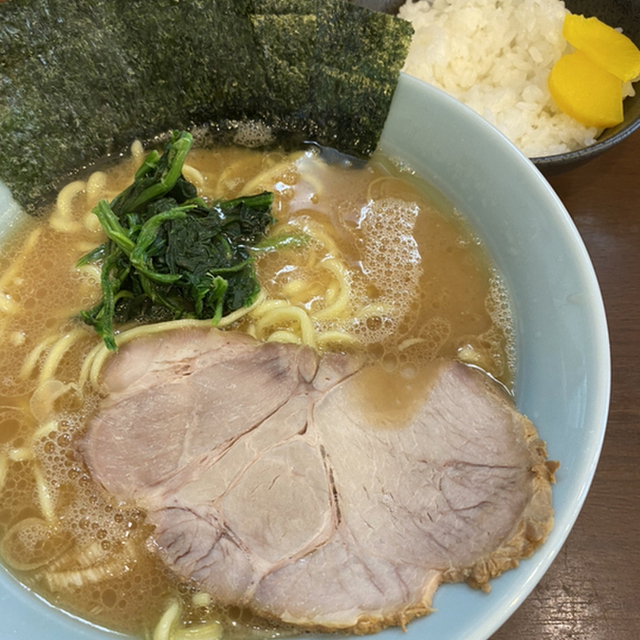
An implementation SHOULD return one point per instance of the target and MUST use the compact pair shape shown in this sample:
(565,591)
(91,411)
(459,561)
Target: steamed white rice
(495,56)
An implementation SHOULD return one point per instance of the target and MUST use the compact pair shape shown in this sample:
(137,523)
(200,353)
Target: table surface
(590,591)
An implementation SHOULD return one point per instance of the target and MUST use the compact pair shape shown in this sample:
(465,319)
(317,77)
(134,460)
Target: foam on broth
(419,286)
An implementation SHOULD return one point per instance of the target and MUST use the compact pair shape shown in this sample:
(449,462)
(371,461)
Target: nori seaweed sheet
(81,79)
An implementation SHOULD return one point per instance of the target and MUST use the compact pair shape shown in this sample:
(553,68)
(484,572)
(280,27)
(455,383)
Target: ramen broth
(382,265)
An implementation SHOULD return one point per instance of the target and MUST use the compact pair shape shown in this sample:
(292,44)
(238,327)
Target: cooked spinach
(168,253)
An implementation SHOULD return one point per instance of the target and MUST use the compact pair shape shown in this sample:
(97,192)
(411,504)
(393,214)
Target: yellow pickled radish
(607,47)
(585,91)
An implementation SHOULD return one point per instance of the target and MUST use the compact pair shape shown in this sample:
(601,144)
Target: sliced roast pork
(321,493)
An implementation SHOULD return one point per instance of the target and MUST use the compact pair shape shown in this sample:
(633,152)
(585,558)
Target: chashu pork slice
(321,493)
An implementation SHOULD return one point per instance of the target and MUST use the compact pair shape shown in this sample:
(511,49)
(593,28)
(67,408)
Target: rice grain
(495,56)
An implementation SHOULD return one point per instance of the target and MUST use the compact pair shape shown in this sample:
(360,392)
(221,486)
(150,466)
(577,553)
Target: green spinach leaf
(169,254)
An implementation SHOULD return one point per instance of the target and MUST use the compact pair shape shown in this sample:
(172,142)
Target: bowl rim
(587,153)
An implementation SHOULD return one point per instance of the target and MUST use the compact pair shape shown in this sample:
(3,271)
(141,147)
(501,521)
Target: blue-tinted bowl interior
(563,373)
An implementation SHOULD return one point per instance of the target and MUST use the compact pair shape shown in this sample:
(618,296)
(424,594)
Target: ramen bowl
(562,379)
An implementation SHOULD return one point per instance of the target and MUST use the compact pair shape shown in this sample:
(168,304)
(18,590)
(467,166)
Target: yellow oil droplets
(588,84)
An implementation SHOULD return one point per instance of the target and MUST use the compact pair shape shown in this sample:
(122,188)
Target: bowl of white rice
(495,57)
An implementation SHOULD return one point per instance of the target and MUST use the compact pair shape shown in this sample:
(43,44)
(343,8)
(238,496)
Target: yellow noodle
(138,154)
(284,315)
(7,304)
(210,631)
(96,185)
(283,335)
(77,578)
(87,364)
(234,316)
(373,310)
(167,622)
(333,289)
(337,294)
(56,353)
(310,249)
(301,292)
(18,263)
(91,223)
(231,169)
(21,454)
(294,287)
(336,337)
(193,175)
(90,555)
(409,342)
(84,246)
(372,196)
(43,399)
(312,257)
(136,149)
(61,219)
(339,306)
(31,360)
(45,497)
(251,330)
(319,233)
(45,429)
(4,467)
(201,599)
(267,178)
(280,227)
(470,355)
(283,227)
(266,306)
(314,181)
(375,183)
(28,544)
(336,267)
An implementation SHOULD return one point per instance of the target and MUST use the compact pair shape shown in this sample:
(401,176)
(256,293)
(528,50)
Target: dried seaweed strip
(82,79)
(357,56)
(285,35)
(56,121)
(363,42)
(198,59)
(334,118)
(280,7)
(288,61)
(357,63)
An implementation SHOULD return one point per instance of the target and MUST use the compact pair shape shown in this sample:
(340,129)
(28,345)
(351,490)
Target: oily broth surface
(418,264)
(420,286)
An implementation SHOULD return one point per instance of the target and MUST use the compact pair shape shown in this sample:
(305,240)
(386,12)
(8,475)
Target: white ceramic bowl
(563,375)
